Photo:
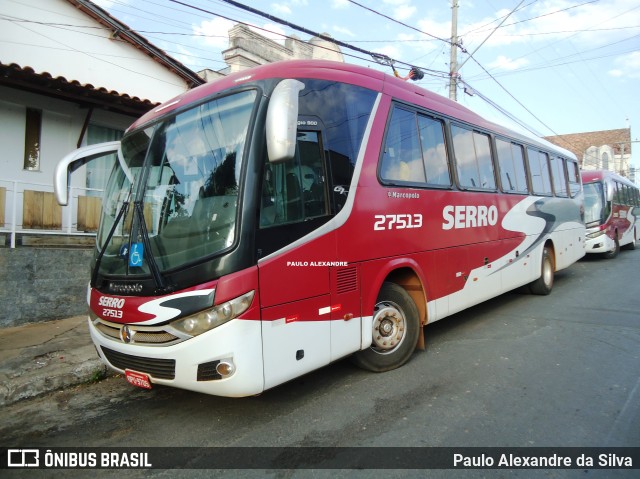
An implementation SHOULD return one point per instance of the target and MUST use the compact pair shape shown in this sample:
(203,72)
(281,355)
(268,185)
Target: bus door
(293,262)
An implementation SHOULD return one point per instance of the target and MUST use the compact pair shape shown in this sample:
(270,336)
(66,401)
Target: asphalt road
(516,371)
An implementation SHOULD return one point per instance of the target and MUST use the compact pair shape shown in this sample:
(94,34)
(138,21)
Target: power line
(375,56)
(572,56)
(513,97)
(400,23)
(575,34)
(478,29)
(488,36)
(536,17)
(558,32)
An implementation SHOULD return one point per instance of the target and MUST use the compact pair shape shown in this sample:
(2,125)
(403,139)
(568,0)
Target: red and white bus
(611,210)
(264,225)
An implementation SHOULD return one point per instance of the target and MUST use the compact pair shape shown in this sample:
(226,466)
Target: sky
(557,66)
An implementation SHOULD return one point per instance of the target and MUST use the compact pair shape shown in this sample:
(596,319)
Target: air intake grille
(157,368)
(139,335)
(347,280)
(207,371)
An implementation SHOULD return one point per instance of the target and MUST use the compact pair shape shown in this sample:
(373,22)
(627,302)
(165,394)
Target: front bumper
(191,364)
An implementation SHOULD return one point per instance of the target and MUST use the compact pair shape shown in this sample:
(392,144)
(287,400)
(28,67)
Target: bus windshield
(594,204)
(182,177)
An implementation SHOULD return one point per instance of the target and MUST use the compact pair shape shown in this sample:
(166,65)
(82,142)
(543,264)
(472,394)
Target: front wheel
(395,331)
(544,284)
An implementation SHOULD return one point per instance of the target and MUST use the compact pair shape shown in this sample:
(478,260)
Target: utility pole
(453,62)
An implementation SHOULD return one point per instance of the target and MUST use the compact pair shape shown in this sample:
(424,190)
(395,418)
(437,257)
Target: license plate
(138,379)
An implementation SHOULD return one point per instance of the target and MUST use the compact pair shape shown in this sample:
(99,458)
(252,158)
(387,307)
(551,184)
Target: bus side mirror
(282,121)
(75,160)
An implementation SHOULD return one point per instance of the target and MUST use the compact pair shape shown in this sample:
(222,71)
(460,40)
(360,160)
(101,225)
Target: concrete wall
(39,284)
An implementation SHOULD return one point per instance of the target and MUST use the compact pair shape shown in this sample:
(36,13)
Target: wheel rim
(547,272)
(389,326)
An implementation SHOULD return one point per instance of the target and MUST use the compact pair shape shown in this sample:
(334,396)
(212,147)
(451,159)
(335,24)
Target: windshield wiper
(121,213)
(158,279)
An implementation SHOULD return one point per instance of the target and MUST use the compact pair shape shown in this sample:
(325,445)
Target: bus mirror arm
(282,121)
(75,160)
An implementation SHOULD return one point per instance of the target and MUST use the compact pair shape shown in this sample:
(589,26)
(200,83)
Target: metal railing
(13,213)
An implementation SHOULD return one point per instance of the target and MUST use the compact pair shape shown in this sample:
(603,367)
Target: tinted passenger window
(402,157)
(620,195)
(342,111)
(415,150)
(573,177)
(473,158)
(512,170)
(300,195)
(559,177)
(539,168)
(296,190)
(434,151)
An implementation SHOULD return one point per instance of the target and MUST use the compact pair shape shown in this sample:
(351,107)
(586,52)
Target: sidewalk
(42,357)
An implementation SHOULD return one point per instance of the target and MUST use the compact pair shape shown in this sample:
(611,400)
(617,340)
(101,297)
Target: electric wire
(312,33)
(429,71)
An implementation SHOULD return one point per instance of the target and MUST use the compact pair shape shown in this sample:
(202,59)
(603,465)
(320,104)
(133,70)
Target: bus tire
(396,327)
(615,251)
(544,284)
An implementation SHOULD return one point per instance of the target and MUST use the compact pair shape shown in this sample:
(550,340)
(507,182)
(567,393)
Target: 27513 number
(397,222)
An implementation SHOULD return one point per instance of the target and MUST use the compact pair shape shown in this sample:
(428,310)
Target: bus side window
(472,151)
(512,169)
(295,190)
(616,193)
(629,195)
(539,168)
(559,177)
(434,151)
(574,178)
(402,157)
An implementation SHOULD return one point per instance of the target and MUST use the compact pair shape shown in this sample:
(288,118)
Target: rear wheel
(616,249)
(544,284)
(396,324)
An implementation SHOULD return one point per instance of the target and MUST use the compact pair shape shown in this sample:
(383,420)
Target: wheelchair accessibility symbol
(136,254)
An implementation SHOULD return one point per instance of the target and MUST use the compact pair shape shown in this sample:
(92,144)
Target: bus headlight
(212,318)
(595,234)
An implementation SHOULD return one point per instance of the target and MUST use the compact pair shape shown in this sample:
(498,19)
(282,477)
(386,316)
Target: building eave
(85,95)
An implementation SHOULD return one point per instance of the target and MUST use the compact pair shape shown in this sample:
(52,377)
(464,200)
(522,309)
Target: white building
(248,49)
(70,75)
(600,150)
